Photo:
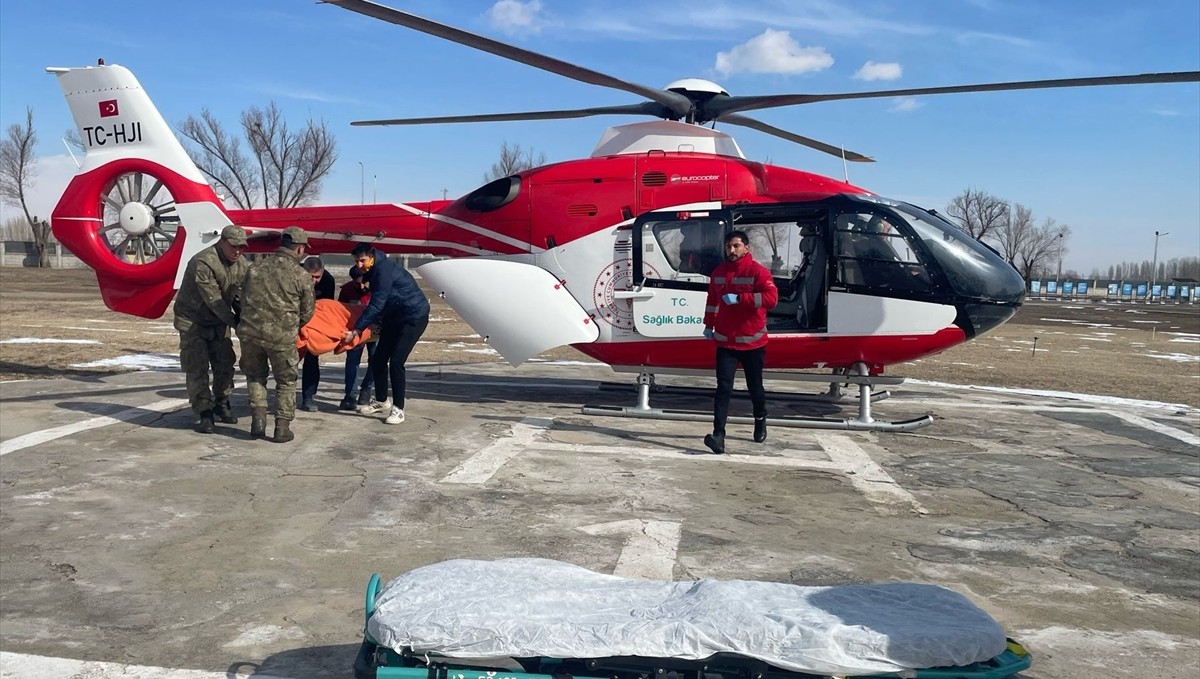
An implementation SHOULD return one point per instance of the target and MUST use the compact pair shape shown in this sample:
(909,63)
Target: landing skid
(864,421)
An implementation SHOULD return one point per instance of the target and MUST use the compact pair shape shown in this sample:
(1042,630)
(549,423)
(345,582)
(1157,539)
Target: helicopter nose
(995,302)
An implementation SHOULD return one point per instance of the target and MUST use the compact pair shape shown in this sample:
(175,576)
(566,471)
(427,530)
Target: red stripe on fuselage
(783,351)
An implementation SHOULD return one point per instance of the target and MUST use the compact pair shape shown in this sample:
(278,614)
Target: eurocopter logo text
(691,179)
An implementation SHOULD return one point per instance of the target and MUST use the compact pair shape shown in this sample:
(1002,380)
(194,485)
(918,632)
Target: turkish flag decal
(108,108)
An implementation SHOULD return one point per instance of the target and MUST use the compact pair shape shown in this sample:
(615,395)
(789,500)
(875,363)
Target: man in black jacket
(323,288)
(402,311)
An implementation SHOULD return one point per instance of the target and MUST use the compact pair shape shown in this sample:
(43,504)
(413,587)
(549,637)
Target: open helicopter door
(675,251)
(673,254)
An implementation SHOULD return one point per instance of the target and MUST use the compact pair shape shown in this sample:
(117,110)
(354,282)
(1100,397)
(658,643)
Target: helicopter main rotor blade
(678,104)
(736,119)
(719,106)
(649,108)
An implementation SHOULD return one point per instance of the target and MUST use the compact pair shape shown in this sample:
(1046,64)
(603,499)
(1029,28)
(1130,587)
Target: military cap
(234,235)
(297,235)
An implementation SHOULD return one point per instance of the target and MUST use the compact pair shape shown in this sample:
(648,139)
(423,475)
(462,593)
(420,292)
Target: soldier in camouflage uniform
(277,302)
(204,312)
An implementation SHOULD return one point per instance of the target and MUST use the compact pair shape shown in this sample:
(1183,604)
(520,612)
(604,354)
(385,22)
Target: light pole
(375,189)
(362,191)
(1154,264)
(1059,274)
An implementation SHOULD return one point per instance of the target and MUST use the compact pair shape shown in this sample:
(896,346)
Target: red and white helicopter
(607,254)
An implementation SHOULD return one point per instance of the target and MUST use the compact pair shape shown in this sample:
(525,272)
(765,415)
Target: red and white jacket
(740,326)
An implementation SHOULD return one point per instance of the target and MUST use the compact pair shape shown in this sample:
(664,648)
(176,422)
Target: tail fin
(139,208)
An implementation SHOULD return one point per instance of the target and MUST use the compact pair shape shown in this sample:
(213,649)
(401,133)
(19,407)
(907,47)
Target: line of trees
(1176,267)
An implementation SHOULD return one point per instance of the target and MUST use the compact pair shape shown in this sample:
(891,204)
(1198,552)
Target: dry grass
(1131,351)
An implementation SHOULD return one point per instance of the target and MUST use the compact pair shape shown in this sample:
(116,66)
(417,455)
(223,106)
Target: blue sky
(1113,163)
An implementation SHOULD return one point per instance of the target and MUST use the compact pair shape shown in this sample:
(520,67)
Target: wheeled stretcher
(542,619)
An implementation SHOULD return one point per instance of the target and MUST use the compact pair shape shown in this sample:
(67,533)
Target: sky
(1115,164)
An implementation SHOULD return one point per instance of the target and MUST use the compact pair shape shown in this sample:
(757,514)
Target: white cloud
(874,71)
(772,52)
(1166,112)
(514,16)
(904,105)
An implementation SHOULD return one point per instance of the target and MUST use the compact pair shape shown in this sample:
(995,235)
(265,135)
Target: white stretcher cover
(543,608)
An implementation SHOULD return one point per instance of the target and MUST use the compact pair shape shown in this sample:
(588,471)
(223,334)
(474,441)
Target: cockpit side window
(874,252)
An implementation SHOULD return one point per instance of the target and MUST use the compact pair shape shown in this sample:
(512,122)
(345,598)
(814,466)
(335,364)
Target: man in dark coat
(402,311)
(310,376)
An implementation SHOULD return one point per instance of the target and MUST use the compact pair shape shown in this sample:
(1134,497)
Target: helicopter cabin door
(673,255)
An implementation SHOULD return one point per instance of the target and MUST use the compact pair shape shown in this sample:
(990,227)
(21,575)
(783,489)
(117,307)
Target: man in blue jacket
(402,311)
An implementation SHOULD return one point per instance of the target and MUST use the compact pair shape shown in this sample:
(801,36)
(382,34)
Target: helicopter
(609,254)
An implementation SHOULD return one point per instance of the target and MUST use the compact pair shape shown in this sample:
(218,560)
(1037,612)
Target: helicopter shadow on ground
(573,391)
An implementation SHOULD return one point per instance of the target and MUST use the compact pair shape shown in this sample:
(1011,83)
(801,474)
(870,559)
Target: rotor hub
(136,218)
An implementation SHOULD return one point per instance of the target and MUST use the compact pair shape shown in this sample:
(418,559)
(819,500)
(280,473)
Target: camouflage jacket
(210,291)
(277,301)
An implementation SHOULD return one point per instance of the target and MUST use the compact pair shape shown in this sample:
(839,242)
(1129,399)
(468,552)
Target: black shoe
(715,442)
(206,423)
(348,403)
(224,413)
(364,397)
(307,404)
(760,429)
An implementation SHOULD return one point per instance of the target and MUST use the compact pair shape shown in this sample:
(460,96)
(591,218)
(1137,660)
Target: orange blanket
(329,323)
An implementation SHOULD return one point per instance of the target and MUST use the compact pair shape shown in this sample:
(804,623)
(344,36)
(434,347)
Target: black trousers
(396,342)
(752,365)
(310,376)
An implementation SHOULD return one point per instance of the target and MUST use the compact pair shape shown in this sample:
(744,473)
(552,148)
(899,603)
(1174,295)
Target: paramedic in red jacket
(735,317)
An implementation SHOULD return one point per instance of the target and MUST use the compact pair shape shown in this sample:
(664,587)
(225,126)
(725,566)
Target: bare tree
(283,168)
(17,174)
(978,213)
(1042,249)
(513,159)
(1017,228)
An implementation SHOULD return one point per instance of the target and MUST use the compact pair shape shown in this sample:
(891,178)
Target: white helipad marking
(841,456)
(866,475)
(134,414)
(484,464)
(22,666)
(649,553)
(586,449)
(1137,420)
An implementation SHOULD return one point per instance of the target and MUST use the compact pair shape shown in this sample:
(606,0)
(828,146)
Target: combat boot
(224,413)
(206,423)
(283,431)
(258,421)
(760,429)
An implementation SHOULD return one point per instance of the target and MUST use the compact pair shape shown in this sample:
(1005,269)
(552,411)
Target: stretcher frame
(379,662)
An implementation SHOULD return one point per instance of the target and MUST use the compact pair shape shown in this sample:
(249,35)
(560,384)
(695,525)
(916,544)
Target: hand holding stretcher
(324,332)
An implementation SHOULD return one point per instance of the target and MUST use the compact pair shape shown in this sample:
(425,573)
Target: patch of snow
(135,362)
(42,340)
(1085,398)
(1096,339)
(1178,358)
